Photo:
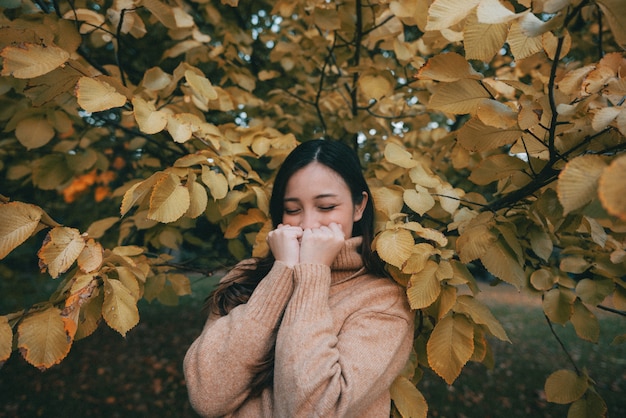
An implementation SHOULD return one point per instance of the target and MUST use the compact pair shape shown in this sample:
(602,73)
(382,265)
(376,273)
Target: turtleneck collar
(348,262)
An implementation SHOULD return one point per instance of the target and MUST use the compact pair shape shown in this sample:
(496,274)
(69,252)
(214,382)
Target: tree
(492,132)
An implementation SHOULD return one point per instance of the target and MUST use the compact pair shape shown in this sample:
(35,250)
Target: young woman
(316,329)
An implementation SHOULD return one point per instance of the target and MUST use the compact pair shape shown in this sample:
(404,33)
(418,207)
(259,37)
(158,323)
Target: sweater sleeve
(218,364)
(320,374)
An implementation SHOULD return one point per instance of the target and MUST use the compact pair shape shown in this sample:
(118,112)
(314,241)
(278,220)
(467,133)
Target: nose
(309,220)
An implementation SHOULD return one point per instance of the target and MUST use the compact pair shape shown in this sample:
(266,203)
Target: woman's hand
(321,245)
(284,242)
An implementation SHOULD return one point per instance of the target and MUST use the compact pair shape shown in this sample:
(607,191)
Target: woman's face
(316,196)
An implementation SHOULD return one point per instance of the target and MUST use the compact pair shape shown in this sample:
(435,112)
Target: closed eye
(291,211)
(327,208)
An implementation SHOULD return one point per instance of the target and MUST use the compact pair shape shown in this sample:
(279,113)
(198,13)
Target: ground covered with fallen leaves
(141,375)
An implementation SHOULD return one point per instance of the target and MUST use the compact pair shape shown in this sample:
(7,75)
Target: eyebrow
(319,196)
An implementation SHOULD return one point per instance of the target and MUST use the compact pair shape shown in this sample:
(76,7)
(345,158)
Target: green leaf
(19,222)
(119,309)
(42,339)
(408,399)
(565,386)
(450,346)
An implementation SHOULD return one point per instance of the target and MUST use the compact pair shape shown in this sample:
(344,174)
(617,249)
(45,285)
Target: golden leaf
(198,198)
(558,304)
(444,13)
(585,323)
(593,292)
(162,12)
(613,11)
(375,86)
(459,97)
(474,242)
(550,43)
(423,288)
(590,405)
(521,45)
(481,315)
(242,220)
(450,346)
(98,228)
(496,167)
(476,136)
(95,96)
(578,182)
(399,156)
(91,256)
(423,176)
(149,120)
(612,188)
(169,199)
(493,12)
(565,386)
(42,338)
(542,279)
(326,19)
(216,182)
(394,246)
(180,283)
(60,249)
(541,243)
(182,126)
(34,132)
(448,66)
(388,200)
(419,200)
(419,256)
(6,339)
(88,19)
(18,221)
(482,41)
(29,60)
(119,308)
(426,233)
(500,261)
(408,399)
(201,86)
(496,114)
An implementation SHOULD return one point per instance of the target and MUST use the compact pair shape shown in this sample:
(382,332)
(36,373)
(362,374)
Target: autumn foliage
(492,134)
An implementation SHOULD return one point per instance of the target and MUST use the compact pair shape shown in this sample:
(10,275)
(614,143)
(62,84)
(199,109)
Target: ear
(360,208)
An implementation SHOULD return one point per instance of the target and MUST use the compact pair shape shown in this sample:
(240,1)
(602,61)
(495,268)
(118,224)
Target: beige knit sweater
(343,336)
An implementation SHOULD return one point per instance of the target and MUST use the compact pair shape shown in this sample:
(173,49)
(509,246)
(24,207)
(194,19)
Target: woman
(316,329)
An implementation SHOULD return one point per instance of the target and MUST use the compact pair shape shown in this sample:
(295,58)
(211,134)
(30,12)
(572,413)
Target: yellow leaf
(426,233)
(481,315)
(542,279)
(88,19)
(198,199)
(60,249)
(521,45)
(423,288)
(162,12)
(216,182)
(29,60)
(91,256)
(18,221)
(169,199)
(182,126)
(541,243)
(423,176)
(444,13)
(388,200)
(459,97)
(500,261)
(578,182)
(149,120)
(119,308)
(558,304)
(201,86)
(449,197)
(496,114)
(139,191)
(180,283)
(482,41)
(6,339)
(326,18)
(613,11)
(585,323)
(419,200)
(591,405)
(496,167)
(448,66)
(95,96)
(493,12)
(408,399)
(34,132)
(42,338)
(242,220)
(550,44)
(375,86)
(399,156)
(612,188)
(476,136)
(394,246)
(450,346)
(419,256)
(98,228)
(475,241)
(594,291)
(565,386)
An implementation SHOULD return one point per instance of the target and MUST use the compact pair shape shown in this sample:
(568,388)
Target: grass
(106,375)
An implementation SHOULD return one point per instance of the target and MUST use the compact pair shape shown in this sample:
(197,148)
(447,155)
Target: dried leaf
(459,97)
(450,346)
(60,249)
(91,256)
(18,221)
(444,13)
(95,96)
(42,339)
(493,12)
(521,45)
(613,11)
(29,60)
(482,41)
(448,66)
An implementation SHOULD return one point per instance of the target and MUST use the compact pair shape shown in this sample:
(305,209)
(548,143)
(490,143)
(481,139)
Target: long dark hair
(345,162)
